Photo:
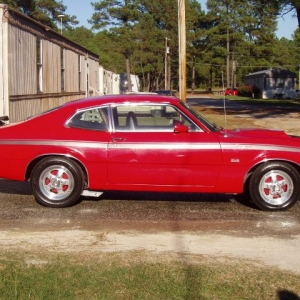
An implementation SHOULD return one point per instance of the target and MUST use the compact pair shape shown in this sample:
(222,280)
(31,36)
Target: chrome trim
(235,146)
(88,193)
(153,145)
(167,146)
(55,143)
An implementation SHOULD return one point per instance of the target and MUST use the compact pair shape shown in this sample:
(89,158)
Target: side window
(62,66)
(93,119)
(149,118)
(39,63)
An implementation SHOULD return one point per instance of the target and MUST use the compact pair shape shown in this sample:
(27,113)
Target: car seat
(131,121)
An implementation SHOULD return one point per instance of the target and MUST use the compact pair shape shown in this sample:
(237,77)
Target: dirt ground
(261,251)
(236,115)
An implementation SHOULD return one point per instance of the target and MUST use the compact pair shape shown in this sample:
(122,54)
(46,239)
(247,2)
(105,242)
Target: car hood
(257,133)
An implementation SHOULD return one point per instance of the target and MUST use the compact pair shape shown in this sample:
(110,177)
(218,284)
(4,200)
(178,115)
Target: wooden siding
(93,76)
(71,71)
(51,67)
(82,73)
(21,109)
(22,62)
(4,68)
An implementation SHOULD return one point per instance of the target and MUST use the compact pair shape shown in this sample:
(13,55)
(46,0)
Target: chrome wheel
(56,182)
(276,187)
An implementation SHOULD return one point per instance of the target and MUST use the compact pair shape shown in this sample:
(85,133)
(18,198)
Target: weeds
(123,276)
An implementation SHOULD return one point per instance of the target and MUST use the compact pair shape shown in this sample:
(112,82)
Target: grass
(265,102)
(136,276)
(250,100)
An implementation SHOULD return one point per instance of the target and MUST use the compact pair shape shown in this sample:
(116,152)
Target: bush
(249,91)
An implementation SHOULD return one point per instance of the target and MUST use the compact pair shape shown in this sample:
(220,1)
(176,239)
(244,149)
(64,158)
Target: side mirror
(181,128)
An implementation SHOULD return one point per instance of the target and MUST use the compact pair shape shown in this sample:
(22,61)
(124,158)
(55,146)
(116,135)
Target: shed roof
(272,73)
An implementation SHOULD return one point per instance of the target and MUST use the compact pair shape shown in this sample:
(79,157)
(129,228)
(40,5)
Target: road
(151,211)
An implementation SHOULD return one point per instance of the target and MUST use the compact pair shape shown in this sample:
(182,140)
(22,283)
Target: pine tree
(121,16)
(44,11)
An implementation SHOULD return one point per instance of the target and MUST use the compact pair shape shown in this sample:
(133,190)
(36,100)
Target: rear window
(92,119)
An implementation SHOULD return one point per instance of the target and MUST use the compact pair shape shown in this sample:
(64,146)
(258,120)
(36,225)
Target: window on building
(79,72)
(39,64)
(62,60)
(279,83)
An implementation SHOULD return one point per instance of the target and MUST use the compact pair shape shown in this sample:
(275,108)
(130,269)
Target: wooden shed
(273,83)
(40,68)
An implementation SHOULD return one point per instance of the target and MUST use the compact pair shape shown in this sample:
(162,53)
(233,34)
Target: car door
(144,151)
(90,128)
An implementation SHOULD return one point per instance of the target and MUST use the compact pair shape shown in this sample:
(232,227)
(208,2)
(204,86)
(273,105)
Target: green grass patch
(136,275)
(265,102)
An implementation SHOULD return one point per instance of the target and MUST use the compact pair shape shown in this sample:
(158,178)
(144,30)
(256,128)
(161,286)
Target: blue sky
(83,12)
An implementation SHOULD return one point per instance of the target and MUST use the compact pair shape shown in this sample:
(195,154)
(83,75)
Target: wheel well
(38,159)
(249,174)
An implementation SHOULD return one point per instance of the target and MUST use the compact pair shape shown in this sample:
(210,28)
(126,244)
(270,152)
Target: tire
(57,182)
(274,186)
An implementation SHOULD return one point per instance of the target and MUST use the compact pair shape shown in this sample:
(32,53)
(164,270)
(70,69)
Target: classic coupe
(146,143)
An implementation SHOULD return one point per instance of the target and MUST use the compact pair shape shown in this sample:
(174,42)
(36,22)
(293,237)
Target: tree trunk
(193,75)
(210,81)
(128,74)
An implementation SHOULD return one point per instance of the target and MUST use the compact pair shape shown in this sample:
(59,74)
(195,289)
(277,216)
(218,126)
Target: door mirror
(181,128)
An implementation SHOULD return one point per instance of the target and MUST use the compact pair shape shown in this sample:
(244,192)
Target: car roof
(118,99)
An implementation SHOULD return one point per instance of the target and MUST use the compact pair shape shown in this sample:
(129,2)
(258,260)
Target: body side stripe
(152,145)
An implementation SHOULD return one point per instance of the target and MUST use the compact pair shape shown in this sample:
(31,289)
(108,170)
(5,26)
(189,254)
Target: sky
(286,25)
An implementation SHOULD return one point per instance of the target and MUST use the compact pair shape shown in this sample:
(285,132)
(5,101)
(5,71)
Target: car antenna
(224,105)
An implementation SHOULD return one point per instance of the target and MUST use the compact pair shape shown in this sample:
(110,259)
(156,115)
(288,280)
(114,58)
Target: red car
(146,143)
(231,92)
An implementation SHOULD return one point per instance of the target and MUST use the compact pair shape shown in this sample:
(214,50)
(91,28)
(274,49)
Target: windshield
(210,126)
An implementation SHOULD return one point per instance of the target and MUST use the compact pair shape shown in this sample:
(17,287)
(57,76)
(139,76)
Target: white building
(273,83)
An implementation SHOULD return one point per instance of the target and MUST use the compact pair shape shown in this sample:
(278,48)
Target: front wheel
(274,186)
(57,182)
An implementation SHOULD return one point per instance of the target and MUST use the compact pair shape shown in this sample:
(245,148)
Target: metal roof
(272,73)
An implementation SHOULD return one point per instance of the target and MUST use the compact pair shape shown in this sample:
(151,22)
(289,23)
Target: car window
(210,126)
(93,119)
(149,118)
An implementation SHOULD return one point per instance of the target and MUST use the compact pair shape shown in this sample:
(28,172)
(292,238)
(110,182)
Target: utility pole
(182,49)
(61,17)
(228,85)
(166,64)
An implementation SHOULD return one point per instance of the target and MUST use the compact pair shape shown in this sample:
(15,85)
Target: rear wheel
(275,186)
(57,182)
